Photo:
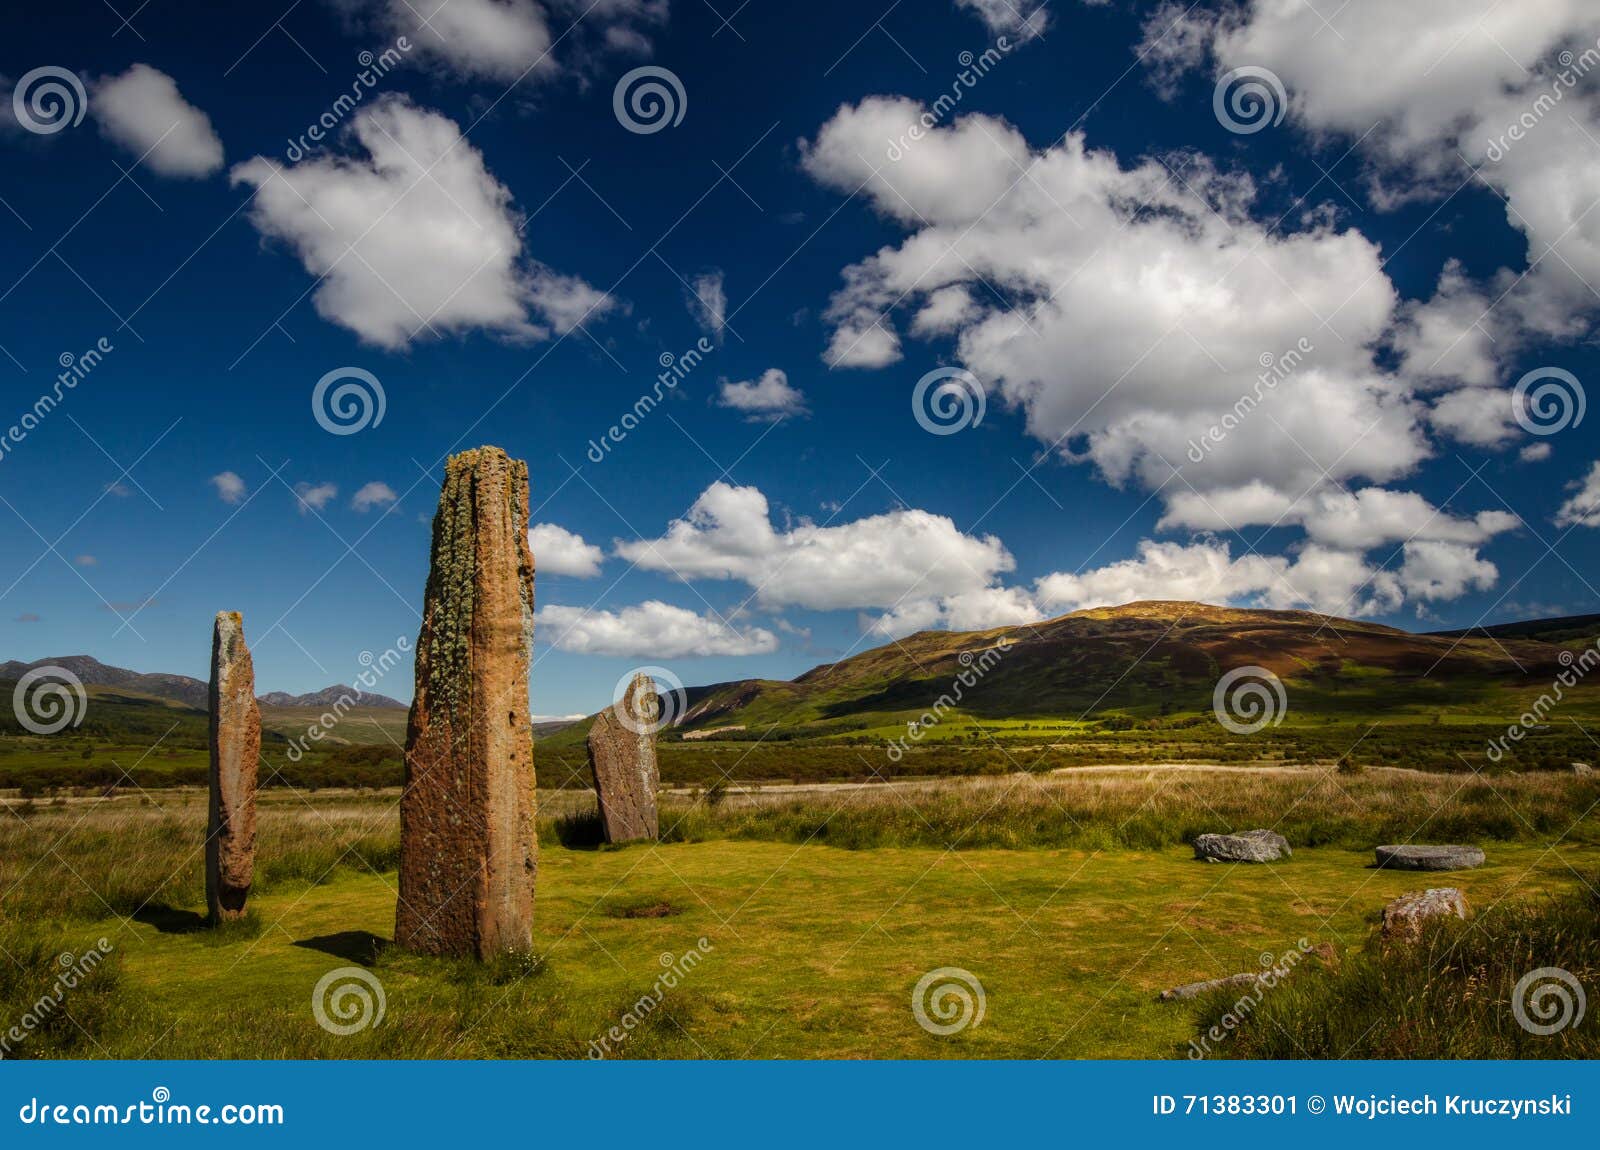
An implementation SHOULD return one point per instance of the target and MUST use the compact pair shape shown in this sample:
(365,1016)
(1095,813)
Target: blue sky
(1084,238)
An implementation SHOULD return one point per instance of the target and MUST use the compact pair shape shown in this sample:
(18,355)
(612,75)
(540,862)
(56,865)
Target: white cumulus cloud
(1582,507)
(313,496)
(230,488)
(767,398)
(142,110)
(414,237)
(374,494)
(557,551)
(876,561)
(651,629)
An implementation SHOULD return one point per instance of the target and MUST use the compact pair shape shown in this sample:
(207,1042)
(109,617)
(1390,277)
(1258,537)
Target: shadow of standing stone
(468,845)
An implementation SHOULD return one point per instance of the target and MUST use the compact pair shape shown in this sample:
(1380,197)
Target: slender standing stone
(468,846)
(622,755)
(235,751)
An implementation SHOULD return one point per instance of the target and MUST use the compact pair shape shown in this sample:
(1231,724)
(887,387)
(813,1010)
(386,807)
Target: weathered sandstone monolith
(622,755)
(235,751)
(468,847)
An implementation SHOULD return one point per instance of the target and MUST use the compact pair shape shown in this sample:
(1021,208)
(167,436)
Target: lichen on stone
(454,565)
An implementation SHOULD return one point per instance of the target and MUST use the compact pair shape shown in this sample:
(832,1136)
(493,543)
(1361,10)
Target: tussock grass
(1153,809)
(1449,996)
(95,860)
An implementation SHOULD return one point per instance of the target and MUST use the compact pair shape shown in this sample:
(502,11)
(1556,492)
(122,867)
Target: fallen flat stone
(235,752)
(1196,989)
(1413,857)
(468,846)
(622,756)
(1250,846)
(1404,918)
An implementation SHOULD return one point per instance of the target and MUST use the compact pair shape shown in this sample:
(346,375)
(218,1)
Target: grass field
(1073,907)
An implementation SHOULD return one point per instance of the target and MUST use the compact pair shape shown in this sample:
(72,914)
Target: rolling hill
(1140,659)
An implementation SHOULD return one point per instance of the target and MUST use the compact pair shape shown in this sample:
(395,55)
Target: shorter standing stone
(235,751)
(1582,769)
(1412,857)
(1251,846)
(1404,918)
(622,755)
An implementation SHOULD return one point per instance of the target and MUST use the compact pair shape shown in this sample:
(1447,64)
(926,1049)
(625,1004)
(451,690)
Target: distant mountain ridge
(1562,630)
(1145,658)
(328,696)
(183,689)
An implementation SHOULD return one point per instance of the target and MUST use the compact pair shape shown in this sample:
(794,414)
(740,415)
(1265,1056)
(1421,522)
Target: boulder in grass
(1410,856)
(1405,917)
(1196,989)
(1251,846)
(1582,769)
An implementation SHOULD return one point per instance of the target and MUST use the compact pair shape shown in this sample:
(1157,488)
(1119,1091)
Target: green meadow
(1073,900)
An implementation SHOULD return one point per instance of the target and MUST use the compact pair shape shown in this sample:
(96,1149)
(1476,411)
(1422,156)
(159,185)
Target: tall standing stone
(468,846)
(622,755)
(235,751)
